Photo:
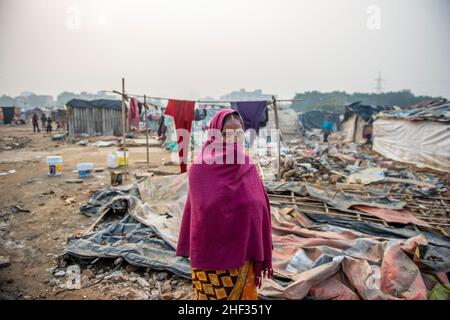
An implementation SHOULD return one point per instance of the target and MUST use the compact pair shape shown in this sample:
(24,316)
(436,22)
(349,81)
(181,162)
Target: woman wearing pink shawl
(226,228)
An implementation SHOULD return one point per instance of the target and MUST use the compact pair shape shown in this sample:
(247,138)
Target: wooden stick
(92,226)
(316,204)
(146,127)
(261,171)
(277,126)
(411,181)
(123,112)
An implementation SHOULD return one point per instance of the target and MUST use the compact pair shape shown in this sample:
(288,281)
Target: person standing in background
(367,132)
(35,122)
(327,127)
(43,120)
(49,125)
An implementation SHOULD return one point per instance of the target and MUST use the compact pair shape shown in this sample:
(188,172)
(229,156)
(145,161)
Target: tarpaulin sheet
(314,119)
(98,103)
(323,257)
(378,230)
(423,143)
(337,199)
(136,243)
(367,176)
(352,129)
(398,216)
(146,236)
(332,262)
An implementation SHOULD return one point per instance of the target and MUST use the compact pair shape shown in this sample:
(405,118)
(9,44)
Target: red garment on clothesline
(133,113)
(182,112)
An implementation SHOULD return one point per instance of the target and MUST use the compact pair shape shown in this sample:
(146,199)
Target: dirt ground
(36,217)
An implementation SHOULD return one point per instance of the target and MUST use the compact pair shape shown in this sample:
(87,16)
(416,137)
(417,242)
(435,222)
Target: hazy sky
(194,48)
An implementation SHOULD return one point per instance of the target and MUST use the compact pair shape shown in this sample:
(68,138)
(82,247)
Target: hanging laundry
(183,114)
(264,119)
(133,113)
(200,114)
(253,113)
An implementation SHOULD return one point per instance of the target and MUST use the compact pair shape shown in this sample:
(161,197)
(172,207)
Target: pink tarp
(397,216)
(320,260)
(329,262)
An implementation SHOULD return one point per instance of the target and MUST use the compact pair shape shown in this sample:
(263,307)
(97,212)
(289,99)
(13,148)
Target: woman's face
(232,131)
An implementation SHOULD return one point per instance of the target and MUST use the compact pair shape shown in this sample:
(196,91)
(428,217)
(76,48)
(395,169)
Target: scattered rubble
(14,142)
(4,261)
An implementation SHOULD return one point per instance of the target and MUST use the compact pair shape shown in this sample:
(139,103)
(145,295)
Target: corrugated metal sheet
(94,121)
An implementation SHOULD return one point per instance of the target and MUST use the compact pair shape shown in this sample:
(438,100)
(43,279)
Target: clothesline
(184,105)
(216,102)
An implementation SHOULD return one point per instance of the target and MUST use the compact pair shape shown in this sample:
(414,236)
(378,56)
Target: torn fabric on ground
(315,256)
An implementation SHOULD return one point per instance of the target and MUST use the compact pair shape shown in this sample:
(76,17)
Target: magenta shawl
(226,218)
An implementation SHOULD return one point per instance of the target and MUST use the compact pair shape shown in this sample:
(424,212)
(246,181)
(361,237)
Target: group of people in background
(45,121)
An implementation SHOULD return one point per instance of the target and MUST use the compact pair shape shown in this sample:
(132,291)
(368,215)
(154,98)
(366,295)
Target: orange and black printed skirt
(232,284)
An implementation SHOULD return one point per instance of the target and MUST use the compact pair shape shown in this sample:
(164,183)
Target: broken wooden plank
(411,181)
(92,226)
(74,181)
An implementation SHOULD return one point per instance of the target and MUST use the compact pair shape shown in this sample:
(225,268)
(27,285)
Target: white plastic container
(85,169)
(111,160)
(54,165)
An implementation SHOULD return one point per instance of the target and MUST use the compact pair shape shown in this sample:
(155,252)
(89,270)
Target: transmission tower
(379,86)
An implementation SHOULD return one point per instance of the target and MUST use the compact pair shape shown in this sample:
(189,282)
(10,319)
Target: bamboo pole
(277,126)
(123,113)
(146,126)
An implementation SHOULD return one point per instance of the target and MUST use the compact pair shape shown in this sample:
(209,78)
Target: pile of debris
(129,245)
(351,170)
(12,143)
(118,280)
(328,244)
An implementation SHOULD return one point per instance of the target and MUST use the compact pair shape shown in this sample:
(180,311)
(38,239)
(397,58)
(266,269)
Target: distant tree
(6,101)
(336,100)
(65,96)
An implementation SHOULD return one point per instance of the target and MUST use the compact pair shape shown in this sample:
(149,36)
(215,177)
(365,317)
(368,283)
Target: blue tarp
(99,103)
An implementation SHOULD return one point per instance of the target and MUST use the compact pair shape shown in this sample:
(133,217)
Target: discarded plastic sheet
(329,262)
(367,176)
(339,200)
(134,242)
(314,255)
(105,143)
(8,172)
(398,216)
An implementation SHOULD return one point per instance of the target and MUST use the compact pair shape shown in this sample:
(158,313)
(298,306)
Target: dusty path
(32,240)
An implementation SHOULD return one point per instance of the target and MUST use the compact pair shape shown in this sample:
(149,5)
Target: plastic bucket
(54,165)
(84,169)
(111,160)
(122,158)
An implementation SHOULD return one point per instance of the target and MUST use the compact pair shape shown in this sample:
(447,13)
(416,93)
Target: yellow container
(122,158)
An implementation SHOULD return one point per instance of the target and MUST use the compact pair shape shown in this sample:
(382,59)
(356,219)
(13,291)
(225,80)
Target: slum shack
(59,115)
(420,135)
(356,117)
(288,124)
(9,115)
(314,119)
(94,117)
(30,112)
